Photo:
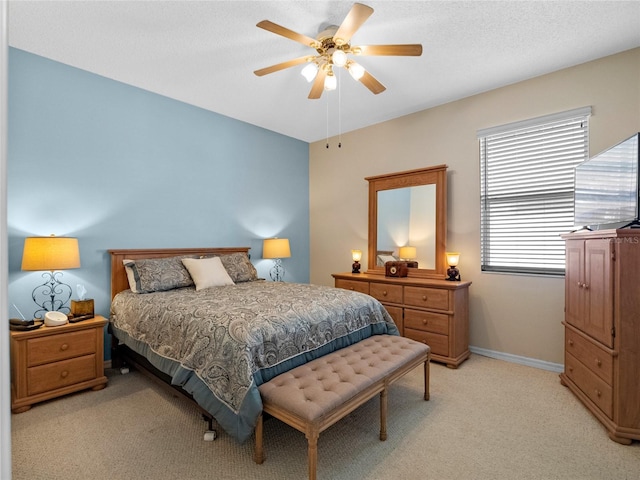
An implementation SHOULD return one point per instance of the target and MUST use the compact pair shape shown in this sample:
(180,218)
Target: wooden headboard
(119,280)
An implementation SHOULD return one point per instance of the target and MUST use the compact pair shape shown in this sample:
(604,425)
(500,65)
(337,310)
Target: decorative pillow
(239,267)
(158,274)
(207,272)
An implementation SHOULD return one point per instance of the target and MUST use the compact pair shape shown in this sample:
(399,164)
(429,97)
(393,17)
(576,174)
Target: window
(526,188)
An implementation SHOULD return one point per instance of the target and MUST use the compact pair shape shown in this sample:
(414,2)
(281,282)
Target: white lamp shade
(356,255)
(276,248)
(453,258)
(50,253)
(310,71)
(330,82)
(355,70)
(339,58)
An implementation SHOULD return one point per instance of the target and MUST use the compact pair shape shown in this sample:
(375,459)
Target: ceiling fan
(333,47)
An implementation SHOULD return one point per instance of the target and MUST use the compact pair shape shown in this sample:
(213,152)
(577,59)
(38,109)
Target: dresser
(54,361)
(435,312)
(602,327)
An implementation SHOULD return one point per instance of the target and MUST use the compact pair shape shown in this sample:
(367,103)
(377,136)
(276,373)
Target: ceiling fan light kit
(333,47)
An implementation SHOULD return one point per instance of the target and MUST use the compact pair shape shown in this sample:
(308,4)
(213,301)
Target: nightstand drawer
(594,387)
(439,343)
(426,297)
(362,287)
(59,347)
(51,376)
(386,292)
(594,358)
(426,321)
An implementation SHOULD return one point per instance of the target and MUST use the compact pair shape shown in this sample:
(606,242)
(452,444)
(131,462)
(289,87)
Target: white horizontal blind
(527,185)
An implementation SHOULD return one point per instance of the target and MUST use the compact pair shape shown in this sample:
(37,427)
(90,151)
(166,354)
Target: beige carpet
(488,419)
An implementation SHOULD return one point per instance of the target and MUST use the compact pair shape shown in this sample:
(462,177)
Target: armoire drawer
(386,292)
(426,321)
(362,287)
(427,297)
(588,353)
(439,343)
(598,391)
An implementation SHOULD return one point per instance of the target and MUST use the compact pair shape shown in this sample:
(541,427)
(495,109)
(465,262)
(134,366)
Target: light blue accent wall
(120,167)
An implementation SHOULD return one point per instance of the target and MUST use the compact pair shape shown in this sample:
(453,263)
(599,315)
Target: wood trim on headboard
(119,280)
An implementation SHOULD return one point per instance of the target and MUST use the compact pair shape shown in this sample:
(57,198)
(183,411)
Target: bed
(219,340)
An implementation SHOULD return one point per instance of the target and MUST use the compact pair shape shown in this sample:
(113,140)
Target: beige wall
(512,314)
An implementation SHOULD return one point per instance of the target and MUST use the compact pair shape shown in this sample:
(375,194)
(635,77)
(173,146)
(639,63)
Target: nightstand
(53,361)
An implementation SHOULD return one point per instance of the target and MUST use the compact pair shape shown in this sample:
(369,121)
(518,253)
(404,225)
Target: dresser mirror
(409,209)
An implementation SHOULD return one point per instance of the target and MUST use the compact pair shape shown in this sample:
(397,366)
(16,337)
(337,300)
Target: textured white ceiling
(204,52)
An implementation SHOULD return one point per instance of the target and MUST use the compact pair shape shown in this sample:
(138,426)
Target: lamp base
(277,271)
(453,274)
(355,268)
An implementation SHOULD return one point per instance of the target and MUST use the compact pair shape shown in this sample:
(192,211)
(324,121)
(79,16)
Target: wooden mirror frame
(437,176)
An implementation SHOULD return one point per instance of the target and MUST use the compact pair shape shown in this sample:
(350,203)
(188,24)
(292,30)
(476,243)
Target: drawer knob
(384,293)
(598,362)
(585,286)
(570,369)
(598,393)
(424,297)
(64,374)
(64,347)
(571,343)
(424,321)
(351,288)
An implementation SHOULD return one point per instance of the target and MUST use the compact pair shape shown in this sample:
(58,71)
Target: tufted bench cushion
(315,395)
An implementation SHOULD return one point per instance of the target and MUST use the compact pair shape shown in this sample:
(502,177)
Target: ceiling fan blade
(281,66)
(372,84)
(352,22)
(318,85)
(285,32)
(409,50)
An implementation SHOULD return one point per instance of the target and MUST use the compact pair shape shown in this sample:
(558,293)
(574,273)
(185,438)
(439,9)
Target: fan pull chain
(327,103)
(339,113)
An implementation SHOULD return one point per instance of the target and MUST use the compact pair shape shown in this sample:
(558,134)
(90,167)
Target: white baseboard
(529,362)
(107,364)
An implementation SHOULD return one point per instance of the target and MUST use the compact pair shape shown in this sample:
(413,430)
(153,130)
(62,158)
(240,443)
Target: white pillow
(131,276)
(207,272)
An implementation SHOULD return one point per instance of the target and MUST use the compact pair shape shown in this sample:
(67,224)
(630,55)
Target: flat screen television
(607,187)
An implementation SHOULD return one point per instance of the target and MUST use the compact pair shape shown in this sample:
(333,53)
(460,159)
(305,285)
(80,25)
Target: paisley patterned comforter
(221,343)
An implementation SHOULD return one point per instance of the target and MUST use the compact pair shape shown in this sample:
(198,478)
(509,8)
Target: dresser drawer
(426,321)
(58,347)
(593,386)
(427,297)
(50,376)
(362,287)
(593,357)
(386,292)
(439,343)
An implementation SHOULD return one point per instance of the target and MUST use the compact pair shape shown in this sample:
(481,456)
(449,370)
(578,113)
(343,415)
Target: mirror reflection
(408,221)
(407,226)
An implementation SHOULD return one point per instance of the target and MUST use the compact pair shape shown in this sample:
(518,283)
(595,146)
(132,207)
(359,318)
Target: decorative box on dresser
(52,361)
(435,312)
(602,327)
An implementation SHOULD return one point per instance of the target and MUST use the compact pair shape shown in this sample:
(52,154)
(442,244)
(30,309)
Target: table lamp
(276,249)
(356,255)
(50,253)
(453,274)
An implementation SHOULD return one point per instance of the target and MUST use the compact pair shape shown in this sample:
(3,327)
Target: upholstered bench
(314,396)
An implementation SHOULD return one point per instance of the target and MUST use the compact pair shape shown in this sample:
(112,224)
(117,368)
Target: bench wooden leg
(426,379)
(312,454)
(383,414)
(258,455)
